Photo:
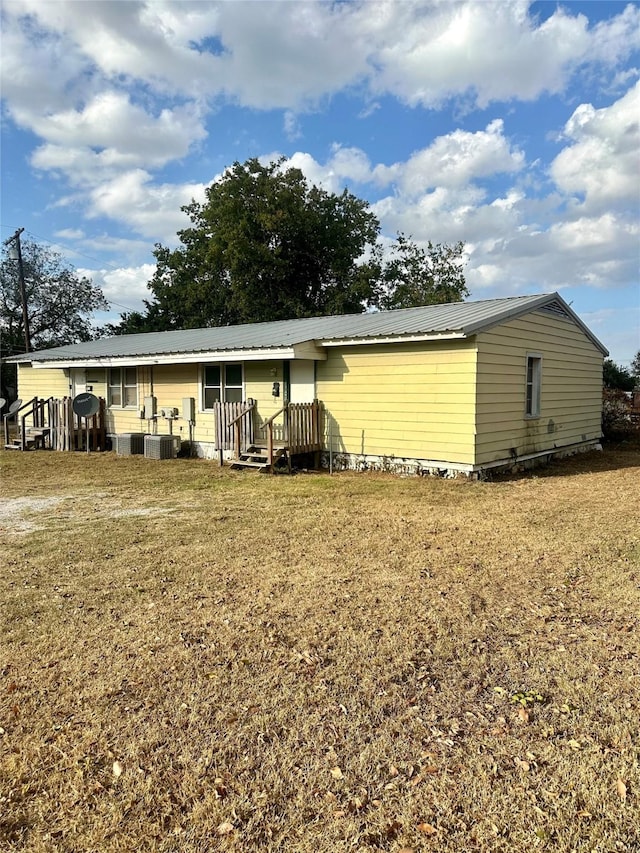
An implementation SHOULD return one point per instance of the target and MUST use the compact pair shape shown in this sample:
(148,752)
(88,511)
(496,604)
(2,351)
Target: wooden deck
(299,433)
(52,424)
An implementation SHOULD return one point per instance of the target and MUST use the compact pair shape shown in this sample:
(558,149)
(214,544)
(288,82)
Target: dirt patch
(28,514)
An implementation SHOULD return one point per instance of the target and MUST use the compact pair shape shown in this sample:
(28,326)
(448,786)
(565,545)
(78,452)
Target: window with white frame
(221,383)
(534,381)
(123,387)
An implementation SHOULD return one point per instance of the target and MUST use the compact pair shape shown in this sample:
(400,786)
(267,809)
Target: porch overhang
(307,350)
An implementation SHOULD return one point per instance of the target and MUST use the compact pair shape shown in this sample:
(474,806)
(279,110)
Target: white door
(302,380)
(78,381)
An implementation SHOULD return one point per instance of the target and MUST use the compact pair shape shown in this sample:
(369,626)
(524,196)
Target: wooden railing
(301,429)
(69,431)
(66,430)
(234,426)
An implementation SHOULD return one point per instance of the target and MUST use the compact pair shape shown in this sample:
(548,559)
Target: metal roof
(458,319)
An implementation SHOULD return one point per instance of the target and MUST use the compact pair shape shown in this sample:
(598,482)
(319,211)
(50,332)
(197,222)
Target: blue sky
(512,126)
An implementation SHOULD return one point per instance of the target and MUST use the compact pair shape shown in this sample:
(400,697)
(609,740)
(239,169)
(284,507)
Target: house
(456,388)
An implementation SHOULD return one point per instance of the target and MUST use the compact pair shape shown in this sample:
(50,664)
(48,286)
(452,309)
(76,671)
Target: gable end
(557,309)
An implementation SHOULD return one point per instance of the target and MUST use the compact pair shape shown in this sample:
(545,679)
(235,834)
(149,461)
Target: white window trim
(122,370)
(535,359)
(223,376)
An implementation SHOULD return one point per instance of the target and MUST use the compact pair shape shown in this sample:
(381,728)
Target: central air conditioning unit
(130,443)
(161,446)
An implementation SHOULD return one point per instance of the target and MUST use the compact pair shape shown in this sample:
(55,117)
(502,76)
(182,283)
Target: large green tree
(266,245)
(60,304)
(263,246)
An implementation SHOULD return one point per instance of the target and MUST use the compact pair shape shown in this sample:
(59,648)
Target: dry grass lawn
(196,659)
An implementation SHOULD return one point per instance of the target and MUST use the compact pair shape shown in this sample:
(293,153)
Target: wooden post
(270,444)
(237,430)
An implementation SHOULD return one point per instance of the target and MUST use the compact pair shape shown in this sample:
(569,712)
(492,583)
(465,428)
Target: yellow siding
(38,382)
(172,382)
(258,380)
(571,387)
(411,401)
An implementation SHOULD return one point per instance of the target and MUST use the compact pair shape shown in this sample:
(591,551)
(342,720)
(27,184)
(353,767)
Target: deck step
(246,463)
(34,437)
(257,457)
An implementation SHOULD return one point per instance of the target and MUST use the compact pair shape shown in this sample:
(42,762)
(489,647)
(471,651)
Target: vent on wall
(557,310)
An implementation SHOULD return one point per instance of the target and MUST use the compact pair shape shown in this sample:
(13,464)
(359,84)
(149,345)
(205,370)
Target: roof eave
(393,339)
(302,350)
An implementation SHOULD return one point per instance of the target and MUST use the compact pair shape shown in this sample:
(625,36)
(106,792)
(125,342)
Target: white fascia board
(394,339)
(307,351)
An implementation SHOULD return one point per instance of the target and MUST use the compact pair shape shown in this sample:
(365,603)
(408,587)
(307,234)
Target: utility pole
(15,253)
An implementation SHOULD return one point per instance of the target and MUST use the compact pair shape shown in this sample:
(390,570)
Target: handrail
(37,413)
(243,413)
(236,427)
(268,425)
(7,417)
(273,417)
(30,402)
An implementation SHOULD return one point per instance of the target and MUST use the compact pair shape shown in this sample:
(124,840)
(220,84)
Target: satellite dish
(13,408)
(3,403)
(86,405)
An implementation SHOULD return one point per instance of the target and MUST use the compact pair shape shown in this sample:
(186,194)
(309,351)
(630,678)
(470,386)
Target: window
(534,377)
(222,382)
(123,387)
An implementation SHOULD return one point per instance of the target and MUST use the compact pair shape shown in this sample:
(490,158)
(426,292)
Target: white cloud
(601,164)
(455,160)
(150,209)
(452,161)
(291,125)
(496,50)
(288,55)
(69,234)
(110,121)
(124,287)
(565,254)
(41,70)
(137,40)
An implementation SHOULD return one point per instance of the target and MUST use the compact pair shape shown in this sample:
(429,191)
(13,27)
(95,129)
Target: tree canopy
(266,245)
(414,276)
(59,303)
(615,376)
